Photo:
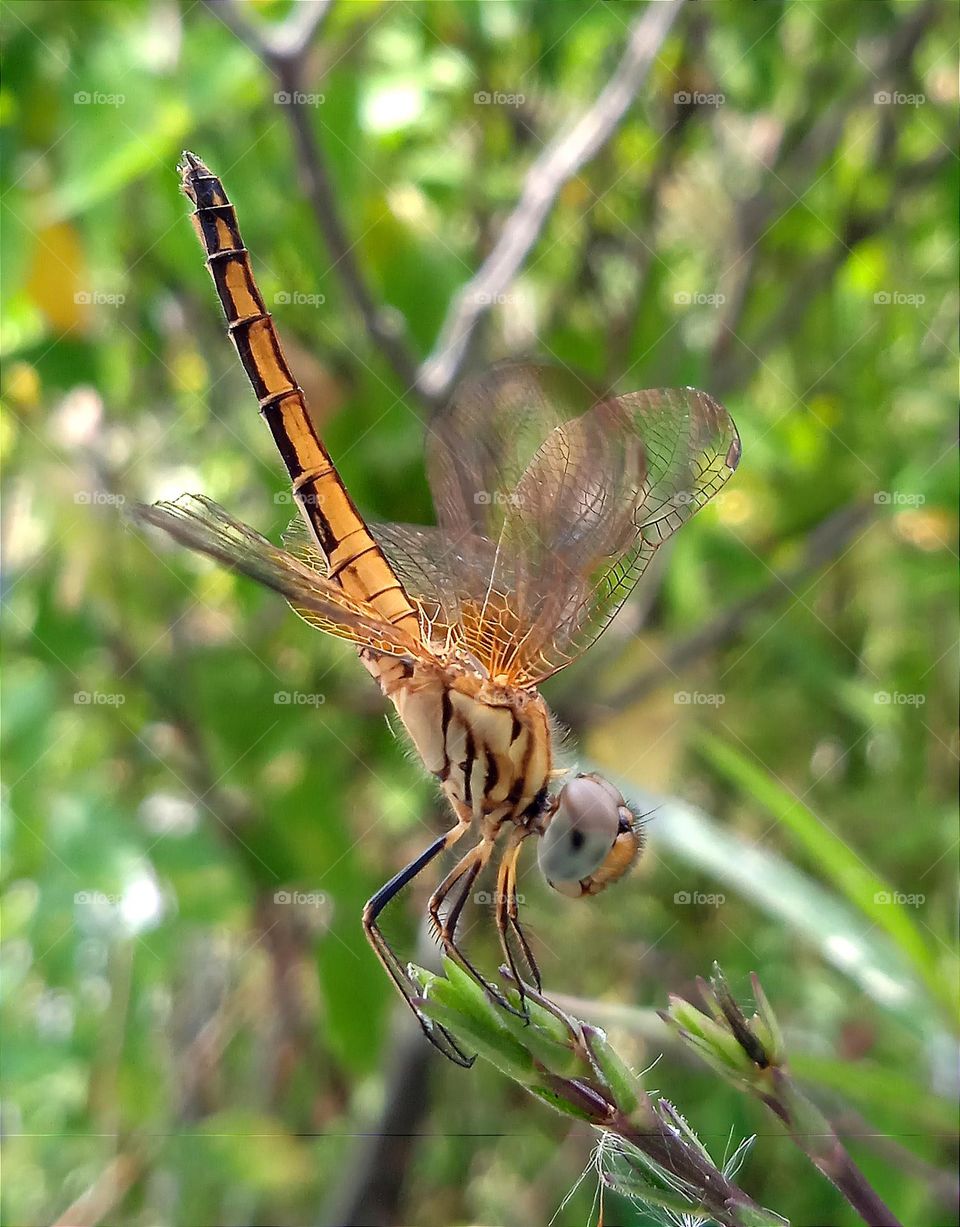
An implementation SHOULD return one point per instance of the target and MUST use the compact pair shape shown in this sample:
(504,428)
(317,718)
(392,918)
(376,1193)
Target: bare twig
(372,1185)
(558,163)
(106,1192)
(287,40)
(284,52)
(384,328)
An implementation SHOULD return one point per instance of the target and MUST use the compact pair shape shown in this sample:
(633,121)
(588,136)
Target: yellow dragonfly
(547,517)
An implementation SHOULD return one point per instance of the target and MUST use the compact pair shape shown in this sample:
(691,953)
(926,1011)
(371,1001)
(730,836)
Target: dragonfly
(550,506)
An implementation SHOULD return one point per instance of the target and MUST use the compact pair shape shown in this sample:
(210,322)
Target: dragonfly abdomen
(353,557)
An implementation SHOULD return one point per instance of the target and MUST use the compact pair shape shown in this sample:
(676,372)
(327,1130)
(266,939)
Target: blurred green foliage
(194,1029)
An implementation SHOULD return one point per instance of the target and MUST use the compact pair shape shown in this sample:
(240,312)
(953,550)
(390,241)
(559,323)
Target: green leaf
(874,896)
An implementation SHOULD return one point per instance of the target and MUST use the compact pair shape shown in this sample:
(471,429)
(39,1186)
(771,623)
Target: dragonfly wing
(598,499)
(480,444)
(443,577)
(205,526)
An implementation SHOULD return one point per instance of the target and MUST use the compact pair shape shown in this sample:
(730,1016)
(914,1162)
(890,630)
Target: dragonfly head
(591,837)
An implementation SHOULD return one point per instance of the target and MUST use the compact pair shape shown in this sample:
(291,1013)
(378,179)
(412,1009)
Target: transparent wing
(550,517)
(441,576)
(600,497)
(480,444)
(205,526)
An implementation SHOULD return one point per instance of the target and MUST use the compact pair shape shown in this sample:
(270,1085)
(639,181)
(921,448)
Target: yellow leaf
(57,279)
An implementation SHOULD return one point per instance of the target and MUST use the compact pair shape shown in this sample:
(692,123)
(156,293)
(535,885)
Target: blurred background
(200,792)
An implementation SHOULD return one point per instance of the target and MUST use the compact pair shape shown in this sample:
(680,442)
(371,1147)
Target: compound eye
(581,833)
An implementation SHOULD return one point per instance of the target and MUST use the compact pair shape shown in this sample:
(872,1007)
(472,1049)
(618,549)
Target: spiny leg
(507,915)
(436,1034)
(469,867)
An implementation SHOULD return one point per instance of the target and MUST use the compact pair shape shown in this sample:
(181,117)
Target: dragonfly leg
(508,915)
(436,1034)
(463,874)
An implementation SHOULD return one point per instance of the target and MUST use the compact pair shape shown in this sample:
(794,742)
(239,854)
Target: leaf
(874,896)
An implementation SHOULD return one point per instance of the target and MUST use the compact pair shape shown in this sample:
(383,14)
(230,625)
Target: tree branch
(555,166)
(284,52)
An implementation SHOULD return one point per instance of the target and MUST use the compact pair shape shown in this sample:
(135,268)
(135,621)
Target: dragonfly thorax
(489,745)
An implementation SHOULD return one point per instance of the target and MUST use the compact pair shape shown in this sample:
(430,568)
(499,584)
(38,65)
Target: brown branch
(287,40)
(556,165)
(284,52)
(373,1183)
(105,1193)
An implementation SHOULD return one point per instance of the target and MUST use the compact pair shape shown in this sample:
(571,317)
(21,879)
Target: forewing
(601,495)
(205,526)
(435,572)
(479,446)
